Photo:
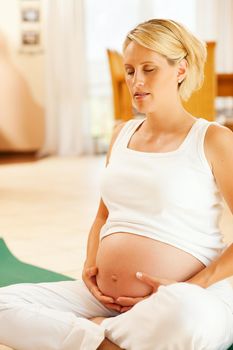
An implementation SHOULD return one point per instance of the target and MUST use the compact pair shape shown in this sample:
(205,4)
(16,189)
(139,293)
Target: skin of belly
(121,255)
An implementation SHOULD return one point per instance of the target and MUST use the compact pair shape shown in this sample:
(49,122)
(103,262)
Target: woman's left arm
(219,152)
(219,269)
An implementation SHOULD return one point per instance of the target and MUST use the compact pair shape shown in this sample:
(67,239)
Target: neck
(168,119)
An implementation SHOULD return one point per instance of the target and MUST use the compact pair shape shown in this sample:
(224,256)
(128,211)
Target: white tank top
(171,197)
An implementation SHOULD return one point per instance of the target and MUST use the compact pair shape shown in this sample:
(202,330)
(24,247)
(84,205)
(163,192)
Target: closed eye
(145,70)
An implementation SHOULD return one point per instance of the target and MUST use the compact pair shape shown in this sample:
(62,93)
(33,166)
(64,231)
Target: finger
(126,308)
(113,306)
(103,298)
(151,281)
(126,301)
(92,271)
(100,296)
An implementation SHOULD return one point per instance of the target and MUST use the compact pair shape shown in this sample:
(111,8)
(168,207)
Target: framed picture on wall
(30,34)
(30,14)
(30,38)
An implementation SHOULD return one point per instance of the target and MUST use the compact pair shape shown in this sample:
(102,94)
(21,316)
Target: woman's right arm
(102,213)
(93,238)
(90,270)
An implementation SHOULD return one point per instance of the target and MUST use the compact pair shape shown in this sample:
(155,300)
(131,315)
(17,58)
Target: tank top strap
(125,134)
(198,136)
(195,146)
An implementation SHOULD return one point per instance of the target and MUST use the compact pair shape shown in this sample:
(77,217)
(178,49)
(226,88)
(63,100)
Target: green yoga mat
(14,271)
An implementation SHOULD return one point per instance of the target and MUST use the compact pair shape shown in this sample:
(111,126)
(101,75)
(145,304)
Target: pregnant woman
(155,276)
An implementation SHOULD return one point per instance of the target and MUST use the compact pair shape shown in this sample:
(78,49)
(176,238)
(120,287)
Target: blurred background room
(62,90)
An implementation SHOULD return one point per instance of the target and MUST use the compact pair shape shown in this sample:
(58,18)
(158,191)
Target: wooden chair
(225,89)
(225,85)
(202,102)
(122,103)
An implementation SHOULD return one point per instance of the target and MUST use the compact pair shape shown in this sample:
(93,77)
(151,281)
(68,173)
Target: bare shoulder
(218,142)
(218,135)
(219,146)
(116,130)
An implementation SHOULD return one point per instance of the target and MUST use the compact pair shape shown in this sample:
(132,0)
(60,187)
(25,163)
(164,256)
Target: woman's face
(151,80)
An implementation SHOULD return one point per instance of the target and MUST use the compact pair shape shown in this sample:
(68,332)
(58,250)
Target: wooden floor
(47,208)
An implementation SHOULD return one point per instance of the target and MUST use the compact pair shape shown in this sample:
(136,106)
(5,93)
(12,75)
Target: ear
(182,70)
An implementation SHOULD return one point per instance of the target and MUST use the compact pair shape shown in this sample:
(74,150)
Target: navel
(114,278)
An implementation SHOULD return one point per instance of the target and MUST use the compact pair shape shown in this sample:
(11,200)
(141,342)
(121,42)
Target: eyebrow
(153,62)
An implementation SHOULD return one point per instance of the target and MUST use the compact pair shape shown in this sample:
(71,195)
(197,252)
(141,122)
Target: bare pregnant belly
(121,255)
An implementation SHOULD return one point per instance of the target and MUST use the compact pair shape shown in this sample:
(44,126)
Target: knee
(3,296)
(197,316)
(9,295)
(180,311)
(177,316)
(185,312)
(5,300)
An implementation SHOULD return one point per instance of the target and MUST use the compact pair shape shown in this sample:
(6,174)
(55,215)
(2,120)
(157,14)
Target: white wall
(21,86)
(31,66)
(108,21)
(214,22)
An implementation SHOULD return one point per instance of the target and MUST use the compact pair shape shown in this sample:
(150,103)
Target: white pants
(54,316)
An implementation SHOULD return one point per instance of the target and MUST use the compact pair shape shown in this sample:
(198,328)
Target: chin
(141,109)
(144,108)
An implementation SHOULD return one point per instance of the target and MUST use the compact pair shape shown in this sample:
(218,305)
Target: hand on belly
(121,255)
(120,280)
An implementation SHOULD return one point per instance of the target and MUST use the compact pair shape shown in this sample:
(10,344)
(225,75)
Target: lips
(140,94)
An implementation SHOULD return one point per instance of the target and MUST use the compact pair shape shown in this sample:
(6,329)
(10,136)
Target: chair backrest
(202,102)
(225,89)
(121,97)
(225,85)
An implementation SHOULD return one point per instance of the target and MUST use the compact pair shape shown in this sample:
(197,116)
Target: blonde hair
(174,42)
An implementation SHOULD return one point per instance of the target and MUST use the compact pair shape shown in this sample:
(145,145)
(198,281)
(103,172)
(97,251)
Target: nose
(139,83)
(138,80)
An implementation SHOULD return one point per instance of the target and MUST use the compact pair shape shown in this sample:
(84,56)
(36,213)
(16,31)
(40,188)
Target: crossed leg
(51,316)
(54,316)
(178,316)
